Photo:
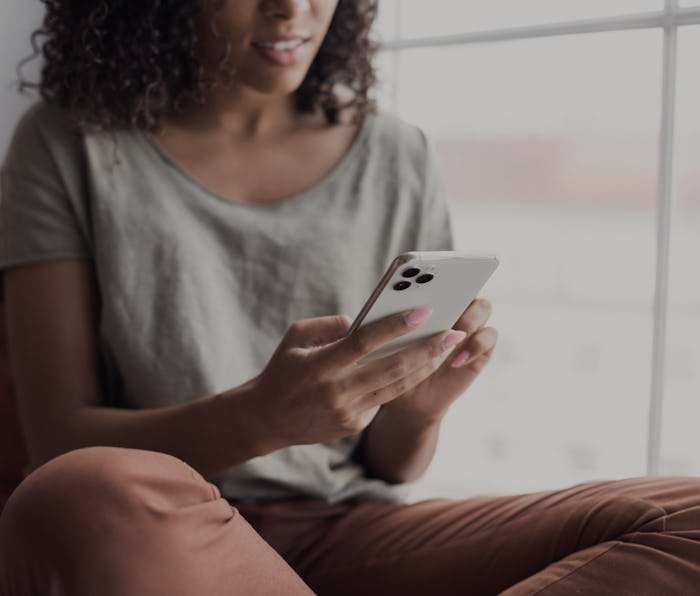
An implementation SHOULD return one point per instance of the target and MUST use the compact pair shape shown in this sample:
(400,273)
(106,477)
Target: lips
(283,51)
(281,45)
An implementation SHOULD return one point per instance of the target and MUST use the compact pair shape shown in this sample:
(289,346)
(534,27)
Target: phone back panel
(446,281)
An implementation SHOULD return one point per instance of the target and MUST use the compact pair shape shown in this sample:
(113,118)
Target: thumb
(319,331)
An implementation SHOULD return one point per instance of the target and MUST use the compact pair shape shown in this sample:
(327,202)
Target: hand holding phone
(311,390)
(444,281)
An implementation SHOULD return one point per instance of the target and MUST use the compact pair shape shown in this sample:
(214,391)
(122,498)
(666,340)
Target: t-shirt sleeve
(435,226)
(38,214)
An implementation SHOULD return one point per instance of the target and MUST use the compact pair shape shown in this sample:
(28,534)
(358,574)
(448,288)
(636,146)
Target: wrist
(412,421)
(245,411)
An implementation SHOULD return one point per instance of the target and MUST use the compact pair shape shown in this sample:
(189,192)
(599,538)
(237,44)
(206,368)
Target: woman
(173,277)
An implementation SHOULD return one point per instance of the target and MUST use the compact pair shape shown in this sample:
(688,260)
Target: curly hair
(119,63)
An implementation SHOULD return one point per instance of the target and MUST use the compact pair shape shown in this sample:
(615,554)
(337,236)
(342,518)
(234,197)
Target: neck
(242,113)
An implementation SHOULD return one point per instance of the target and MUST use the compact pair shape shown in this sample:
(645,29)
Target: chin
(276,86)
(268,80)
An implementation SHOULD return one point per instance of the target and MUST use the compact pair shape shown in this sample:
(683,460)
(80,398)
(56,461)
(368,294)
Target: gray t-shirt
(196,289)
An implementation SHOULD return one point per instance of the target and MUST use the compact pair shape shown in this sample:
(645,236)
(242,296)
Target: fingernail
(438,360)
(418,316)
(461,359)
(452,339)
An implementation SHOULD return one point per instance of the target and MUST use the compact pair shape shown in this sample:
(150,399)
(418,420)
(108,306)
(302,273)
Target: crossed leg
(120,522)
(631,537)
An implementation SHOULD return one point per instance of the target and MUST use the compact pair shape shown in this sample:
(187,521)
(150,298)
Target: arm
(400,442)
(52,313)
(398,446)
(397,450)
(308,392)
(211,433)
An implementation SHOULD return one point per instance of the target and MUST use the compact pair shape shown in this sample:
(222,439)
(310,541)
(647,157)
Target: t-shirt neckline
(174,167)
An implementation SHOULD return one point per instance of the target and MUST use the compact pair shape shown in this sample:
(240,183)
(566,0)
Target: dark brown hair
(126,63)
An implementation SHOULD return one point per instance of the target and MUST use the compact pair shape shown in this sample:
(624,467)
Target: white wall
(18,18)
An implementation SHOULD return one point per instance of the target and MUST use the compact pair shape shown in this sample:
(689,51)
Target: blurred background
(550,147)
(550,126)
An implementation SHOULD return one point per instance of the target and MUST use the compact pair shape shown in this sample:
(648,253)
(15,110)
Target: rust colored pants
(124,522)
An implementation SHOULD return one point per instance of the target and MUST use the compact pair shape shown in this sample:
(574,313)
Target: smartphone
(445,281)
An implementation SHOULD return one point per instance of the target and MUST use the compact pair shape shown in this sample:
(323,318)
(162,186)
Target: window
(681,443)
(418,18)
(549,122)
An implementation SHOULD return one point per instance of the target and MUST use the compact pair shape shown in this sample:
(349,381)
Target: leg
(660,555)
(120,522)
(636,537)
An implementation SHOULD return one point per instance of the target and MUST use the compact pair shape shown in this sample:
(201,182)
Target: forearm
(211,433)
(397,449)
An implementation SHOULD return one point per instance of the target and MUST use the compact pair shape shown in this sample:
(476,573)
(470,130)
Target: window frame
(670,19)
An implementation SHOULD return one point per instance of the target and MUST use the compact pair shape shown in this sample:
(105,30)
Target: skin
(311,390)
(249,129)
(401,441)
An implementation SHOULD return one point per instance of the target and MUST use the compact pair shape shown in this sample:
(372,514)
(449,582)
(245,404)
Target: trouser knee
(81,497)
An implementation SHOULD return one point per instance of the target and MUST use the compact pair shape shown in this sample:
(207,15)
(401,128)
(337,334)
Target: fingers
(480,343)
(390,392)
(318,331)
(392,369)
(481,338)
(372,336)
(476,316)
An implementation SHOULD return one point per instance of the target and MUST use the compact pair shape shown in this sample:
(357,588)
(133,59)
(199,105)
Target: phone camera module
(411,272)
(425,278)
(402,285)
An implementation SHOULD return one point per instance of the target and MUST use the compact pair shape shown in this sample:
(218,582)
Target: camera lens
(402,285)
(411,272)
(425,278)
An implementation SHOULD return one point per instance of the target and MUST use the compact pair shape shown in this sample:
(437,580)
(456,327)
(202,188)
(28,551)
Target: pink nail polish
(461,359)
(452,339)
(419,315)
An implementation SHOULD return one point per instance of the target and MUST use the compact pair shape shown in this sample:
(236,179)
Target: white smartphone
(445,281)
